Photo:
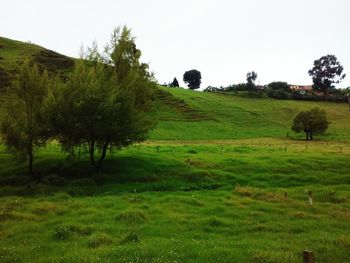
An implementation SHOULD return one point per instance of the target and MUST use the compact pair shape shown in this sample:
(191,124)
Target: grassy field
(228,205)
(192,115)
(218,180)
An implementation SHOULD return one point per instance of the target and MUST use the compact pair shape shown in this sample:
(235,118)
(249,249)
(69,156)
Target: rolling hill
(192,115)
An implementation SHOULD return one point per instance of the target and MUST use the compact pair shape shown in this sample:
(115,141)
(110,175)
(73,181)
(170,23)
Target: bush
(278,94)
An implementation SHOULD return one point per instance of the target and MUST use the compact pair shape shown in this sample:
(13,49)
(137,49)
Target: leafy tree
(311,122)
(326,72)
(103,104)
(23,127)
(279,85)
(193,79)
(175,83)
(251,78)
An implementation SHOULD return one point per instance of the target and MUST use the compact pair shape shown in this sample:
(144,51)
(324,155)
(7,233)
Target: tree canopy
(175,83)
(104,102)
(251,78)
(279,85)
(311,122)
(326,72)
(24,128)
(193,79)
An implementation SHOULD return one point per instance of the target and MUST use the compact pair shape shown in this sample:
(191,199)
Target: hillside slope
(192,115)
(210,116)
(13,53)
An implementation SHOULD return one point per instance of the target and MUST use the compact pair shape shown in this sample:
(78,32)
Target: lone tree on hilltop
(193,79)
(251,78)
(326,72)
(311,122)
(175,83)
(23,126)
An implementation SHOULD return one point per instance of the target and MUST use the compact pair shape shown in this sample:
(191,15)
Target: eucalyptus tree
(326,72)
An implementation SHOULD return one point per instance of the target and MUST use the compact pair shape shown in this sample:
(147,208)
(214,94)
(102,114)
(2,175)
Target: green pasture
(221,201)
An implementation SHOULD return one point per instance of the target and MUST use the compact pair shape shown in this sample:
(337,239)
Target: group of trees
(326,72)
(102,105)
(192,78)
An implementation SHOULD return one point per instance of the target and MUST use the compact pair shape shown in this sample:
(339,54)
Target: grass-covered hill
(13,53)
(192,115)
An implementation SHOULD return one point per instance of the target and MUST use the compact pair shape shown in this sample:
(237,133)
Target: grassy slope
(150,206)
(233,117)
(13,53)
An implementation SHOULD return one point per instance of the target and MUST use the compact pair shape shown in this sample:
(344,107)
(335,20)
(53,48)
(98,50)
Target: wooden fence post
(308,256)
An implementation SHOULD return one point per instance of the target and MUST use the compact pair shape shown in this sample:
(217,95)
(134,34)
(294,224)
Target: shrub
(278,94)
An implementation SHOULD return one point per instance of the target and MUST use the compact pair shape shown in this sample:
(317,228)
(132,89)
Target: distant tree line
(326,72)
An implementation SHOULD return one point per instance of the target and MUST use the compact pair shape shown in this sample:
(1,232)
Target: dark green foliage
(279,85)
(278,94)
(104,102)
(251,78)
(193,79)
(175,83)
(326,72)
(310,122)
(213,89)
(23,127)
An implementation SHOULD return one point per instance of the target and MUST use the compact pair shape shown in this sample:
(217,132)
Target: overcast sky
(224,39)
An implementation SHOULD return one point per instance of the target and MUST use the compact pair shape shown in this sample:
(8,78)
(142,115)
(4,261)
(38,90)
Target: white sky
(224,39)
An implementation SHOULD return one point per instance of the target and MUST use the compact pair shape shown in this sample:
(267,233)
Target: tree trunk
(311,138)
(326,94)
(103,156)
(92,153)
(307,135)
(30,162)
(98,164)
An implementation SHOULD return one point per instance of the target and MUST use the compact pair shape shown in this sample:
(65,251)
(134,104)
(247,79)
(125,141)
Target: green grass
(208,116)
(214,192)
(150,206)
(13,53)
